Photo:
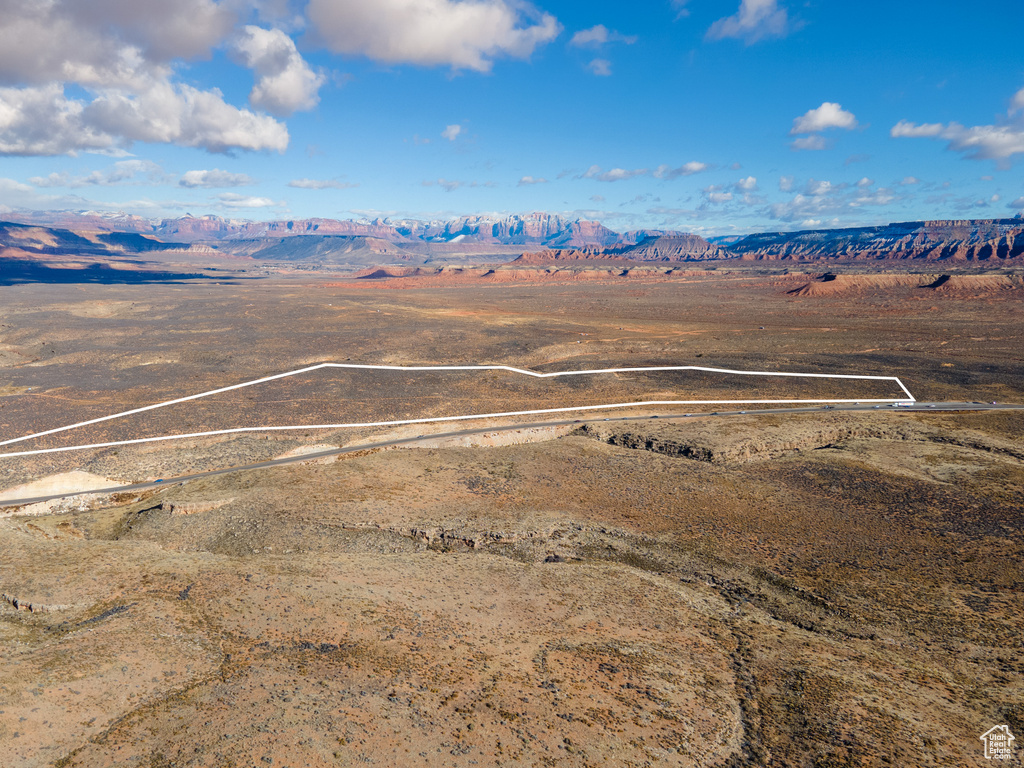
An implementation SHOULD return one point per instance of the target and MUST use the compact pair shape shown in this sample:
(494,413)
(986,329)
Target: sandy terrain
(802,590)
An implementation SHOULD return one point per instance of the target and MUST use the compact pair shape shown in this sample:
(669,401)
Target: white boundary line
(133,411)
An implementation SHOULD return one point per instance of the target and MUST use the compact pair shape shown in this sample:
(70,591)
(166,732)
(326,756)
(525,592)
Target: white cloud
(749,184)
(181,114)
(716,195)
(285,82)
(811,143)
(599,35)
(681,9)
(979,142)
(828,115)
(108,43)
(686,169)
(865,182)
(320,184)
(1017,204)
(615,174)
(120,53)
(909,181)
(232,200)
(463,35)
(530,180)
(214,178)
(1017,102)
(600,67)
(755,20)
(786,183)
(12,186)
(904,129)
(451,132)
(997,142)
(42,121)
(122,172)
(823,199)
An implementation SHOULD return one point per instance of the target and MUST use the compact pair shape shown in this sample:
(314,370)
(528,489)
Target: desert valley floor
(823,589)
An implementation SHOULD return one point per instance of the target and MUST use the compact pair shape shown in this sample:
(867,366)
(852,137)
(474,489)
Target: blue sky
(711,116)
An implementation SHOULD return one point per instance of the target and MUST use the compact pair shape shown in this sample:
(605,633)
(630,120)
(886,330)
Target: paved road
(920,406)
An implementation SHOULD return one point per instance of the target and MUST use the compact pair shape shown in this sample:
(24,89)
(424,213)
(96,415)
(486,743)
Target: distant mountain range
(540,236)
(950,240)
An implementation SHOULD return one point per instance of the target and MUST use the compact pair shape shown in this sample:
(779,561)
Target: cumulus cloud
(181,114)
(865,182)
(904,129)
(285,83)
(600,67)
(755,20)
(614,174)
(105,42)
(214,178)
(749,184)
(599,35)
(321,184)
(451,132)
(786,183)
(463,35)
(686,169)
(909,181)
(716,195)
(997,142)
(122,55)
(530,180)
(828,115)
(1017,204)
(42,121)
(232,200)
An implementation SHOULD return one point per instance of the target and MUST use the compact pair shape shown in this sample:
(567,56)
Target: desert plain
(815,589)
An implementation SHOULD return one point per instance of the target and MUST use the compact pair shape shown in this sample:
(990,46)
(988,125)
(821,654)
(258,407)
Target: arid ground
(823,589)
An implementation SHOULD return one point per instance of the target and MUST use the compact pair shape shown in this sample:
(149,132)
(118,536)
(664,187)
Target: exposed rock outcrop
(987,240)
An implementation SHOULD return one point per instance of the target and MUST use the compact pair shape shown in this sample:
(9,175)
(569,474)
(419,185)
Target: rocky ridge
(990,240)
(542,236)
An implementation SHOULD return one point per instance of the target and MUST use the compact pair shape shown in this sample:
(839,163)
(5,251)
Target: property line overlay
(437,419)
